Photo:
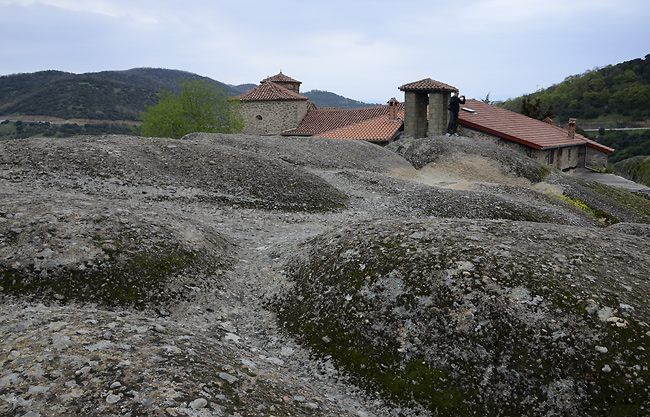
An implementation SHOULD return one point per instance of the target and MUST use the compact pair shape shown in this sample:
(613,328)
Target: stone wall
(272,117)
(569,157)
(415,114)
(419,124)
(438,113)
(539,156)
(563,159)
(595,159)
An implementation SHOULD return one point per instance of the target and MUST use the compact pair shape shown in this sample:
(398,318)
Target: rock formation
(233,275)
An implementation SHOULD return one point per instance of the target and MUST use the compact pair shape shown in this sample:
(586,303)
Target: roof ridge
(268,91)
(427,84)
(280,77)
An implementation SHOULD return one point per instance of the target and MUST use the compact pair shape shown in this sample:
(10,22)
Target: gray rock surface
(149,277)
(464,317)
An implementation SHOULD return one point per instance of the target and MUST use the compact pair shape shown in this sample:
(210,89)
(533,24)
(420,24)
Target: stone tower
(424,96)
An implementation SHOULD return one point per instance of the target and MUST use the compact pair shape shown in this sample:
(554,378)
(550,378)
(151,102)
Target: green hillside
(83,97)
(616,96)
(107,95)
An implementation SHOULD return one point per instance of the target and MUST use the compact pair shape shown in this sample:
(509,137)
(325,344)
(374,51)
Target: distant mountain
(107,95)
(327,99)
(613,96)
(242,88)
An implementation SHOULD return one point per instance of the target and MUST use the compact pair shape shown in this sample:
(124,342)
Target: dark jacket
(454,103)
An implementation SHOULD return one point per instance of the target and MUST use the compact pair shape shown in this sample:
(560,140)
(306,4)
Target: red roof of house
(268,91)
(519,128)
(281,78)
(379,129)
(428,85)
(319,121)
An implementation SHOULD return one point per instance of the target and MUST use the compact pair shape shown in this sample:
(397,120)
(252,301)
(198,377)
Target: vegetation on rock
(636,169)
(460,318)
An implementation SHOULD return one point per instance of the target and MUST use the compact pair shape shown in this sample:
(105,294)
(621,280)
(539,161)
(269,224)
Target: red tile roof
(281,78)
(519,128)
(323,120)
(268,91)
(428,85)
(379,129)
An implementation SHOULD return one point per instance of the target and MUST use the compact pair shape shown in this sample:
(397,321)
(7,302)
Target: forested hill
(616,93)
(328,99)
(107,95)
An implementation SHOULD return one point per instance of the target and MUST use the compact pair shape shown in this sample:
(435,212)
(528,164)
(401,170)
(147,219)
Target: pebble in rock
(112,398)
(199,403)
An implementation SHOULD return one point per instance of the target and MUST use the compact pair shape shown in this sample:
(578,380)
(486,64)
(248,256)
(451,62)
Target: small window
(258,117)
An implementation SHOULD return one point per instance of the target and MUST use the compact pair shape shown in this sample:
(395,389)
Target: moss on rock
(459,318)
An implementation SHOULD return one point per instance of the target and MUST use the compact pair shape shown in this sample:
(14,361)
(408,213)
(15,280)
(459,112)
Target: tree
(486,100)
(530,108)
(533,109)
(548,113)
(197,107)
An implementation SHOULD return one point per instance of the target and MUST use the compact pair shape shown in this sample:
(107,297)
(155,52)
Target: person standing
(454,107)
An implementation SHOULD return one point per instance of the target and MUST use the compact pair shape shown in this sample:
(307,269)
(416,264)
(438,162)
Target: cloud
(361,49)
(103,7)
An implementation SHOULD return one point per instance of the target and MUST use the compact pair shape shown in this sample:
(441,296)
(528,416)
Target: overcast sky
(360,49)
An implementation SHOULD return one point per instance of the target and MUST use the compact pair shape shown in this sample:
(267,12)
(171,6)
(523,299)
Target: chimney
(392,109)
(572,128)
(548,121)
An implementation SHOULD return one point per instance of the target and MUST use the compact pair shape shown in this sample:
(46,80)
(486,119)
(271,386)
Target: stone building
(273,106)
(547,144)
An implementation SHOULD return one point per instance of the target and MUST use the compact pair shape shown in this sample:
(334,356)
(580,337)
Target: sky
(363,50)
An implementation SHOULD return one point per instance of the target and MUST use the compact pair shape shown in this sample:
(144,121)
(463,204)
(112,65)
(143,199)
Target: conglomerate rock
(233,275)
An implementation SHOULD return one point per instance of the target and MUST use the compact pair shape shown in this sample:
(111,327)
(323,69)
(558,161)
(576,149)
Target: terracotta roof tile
(281,78)
(270,91)
(319,121)
(379,129)
(519,128)
(428,84)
